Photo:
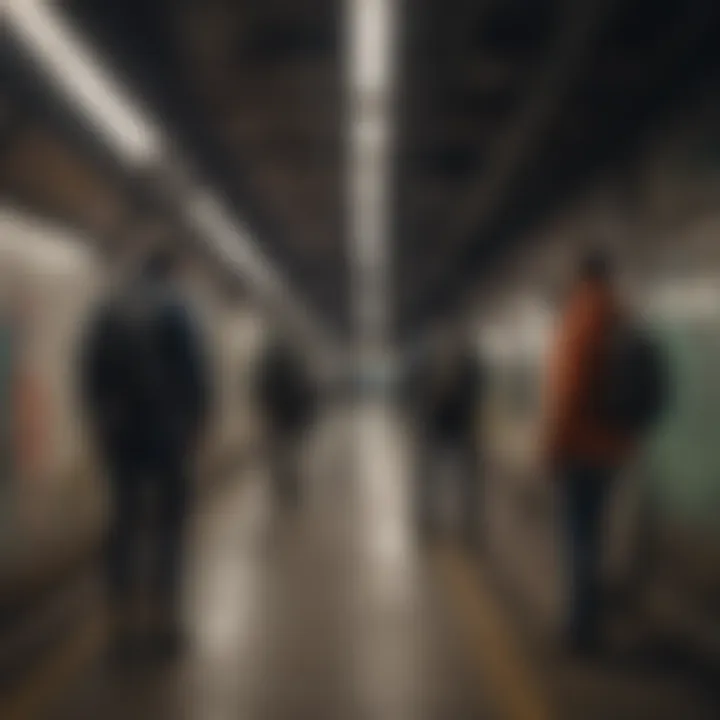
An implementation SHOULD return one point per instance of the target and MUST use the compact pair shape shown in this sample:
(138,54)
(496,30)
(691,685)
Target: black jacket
(144,378)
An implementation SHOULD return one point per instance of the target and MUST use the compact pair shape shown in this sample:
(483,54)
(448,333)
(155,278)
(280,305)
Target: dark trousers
(157,492)
(585,493)
(433,453)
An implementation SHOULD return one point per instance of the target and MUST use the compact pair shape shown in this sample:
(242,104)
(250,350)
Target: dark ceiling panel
(229,80)
(516,28)
(644,60)
(254,93)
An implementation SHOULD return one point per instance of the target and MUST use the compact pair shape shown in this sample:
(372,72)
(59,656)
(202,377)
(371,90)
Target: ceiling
(48,162)
(512,107)
(252,92)
(506,110)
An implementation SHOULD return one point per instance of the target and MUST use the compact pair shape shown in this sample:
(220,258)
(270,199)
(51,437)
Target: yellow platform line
(494,651)
(44,687)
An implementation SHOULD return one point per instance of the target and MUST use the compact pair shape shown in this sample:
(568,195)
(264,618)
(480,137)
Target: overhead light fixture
(235,246)
(75,68)
(370,41)
(229,238)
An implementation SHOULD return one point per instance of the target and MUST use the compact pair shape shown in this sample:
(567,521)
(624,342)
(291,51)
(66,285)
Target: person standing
(603,389)
(449,391)
(286,400)
(146,390)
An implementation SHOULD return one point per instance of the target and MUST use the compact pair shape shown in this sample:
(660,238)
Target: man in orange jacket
(583,452)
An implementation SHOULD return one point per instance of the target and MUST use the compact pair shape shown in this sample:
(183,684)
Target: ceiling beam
(682,64)
(524,134)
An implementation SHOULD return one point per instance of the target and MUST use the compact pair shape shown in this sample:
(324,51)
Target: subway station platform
(336,610)
(359,177)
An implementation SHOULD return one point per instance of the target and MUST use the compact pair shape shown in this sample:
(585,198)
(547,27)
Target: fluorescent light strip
(230,240)
(234,245)
(52,41)
(78,72)
(371,30)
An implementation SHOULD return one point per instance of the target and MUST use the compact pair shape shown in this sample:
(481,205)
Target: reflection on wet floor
(336,610)
(324,613)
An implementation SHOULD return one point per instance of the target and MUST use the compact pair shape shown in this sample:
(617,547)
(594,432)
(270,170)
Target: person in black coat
(145,387)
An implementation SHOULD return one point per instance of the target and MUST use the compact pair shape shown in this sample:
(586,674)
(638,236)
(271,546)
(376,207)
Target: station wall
(50,482)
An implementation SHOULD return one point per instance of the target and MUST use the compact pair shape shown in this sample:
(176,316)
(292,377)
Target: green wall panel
(684,456)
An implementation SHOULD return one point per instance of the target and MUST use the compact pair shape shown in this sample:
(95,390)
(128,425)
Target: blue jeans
(585,491)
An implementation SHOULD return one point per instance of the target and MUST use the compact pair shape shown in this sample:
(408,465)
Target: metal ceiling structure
(506,109)
(252,92)
(512,107)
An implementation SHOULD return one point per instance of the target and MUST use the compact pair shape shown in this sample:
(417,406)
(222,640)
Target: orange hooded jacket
(573,432)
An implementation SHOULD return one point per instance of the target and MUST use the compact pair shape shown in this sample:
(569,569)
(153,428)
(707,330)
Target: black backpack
(634,387)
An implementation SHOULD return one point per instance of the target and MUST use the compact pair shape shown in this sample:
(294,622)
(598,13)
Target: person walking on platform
(448,394)
(605,388)
(145,386)
(286,400)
